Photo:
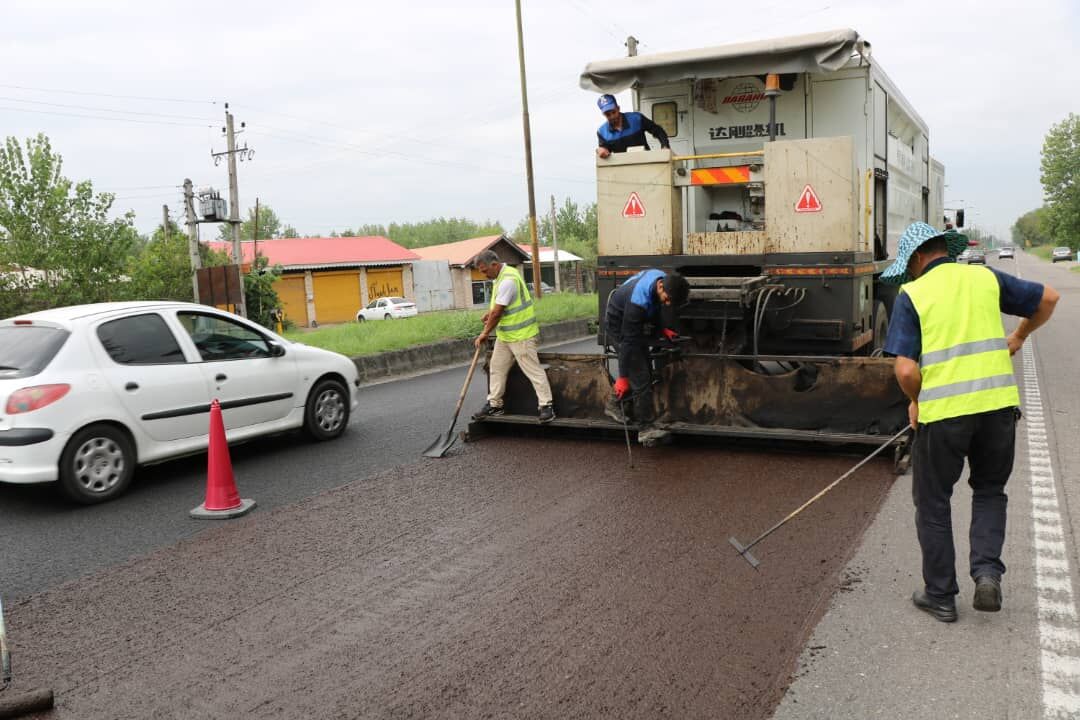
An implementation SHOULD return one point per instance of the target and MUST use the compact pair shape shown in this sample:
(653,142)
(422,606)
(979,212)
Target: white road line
(1059,638)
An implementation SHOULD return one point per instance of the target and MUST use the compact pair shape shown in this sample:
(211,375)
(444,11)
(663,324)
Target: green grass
(379,336)
(1040,251)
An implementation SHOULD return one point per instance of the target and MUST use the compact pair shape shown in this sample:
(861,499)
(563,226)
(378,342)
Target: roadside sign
(633,208)
(808,201)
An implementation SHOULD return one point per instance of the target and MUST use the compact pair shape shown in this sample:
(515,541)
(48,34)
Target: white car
(1005,252)
(89,392)
(387,308)
(1061,253)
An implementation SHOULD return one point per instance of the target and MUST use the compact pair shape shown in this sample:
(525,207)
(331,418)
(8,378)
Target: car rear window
(26,350)
(397,301)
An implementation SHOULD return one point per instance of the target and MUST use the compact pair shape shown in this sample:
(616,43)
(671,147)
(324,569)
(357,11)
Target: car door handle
(132,386)
(221,377)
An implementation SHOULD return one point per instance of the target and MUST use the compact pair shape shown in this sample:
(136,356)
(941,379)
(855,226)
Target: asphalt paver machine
(795,164)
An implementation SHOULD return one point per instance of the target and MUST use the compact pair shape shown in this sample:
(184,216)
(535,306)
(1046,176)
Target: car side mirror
(276,350)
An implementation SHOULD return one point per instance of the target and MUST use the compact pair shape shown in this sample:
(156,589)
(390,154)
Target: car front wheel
(97,464)
(327,411)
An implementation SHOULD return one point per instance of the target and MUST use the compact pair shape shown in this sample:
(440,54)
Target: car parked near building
(387,308)
(1061,253)
(90,392)
(1006,252)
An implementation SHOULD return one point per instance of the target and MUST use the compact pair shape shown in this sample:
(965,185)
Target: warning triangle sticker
(808,201)
(633,208)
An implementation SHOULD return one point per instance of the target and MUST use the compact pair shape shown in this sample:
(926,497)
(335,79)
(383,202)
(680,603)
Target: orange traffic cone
(222,499)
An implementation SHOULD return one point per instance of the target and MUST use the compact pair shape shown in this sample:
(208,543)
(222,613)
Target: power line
(101,109)
(109,95)
(101,117)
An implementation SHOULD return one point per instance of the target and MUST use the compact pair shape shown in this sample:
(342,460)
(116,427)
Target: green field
(1040,251)
(379,336)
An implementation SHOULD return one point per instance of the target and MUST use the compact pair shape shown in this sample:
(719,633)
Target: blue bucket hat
(913,238)
(607,102)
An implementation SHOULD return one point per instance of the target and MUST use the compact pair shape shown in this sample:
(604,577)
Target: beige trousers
(502,359)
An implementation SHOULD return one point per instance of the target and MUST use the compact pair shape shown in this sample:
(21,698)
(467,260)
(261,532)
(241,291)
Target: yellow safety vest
(965,363)
(518,321)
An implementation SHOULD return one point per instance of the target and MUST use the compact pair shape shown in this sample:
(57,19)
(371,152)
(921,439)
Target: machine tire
(387,316)
(881,328)
(326,414)
(97,464)
(359,318)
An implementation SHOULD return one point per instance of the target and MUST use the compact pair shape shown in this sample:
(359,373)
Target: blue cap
(607,102)
(914,236)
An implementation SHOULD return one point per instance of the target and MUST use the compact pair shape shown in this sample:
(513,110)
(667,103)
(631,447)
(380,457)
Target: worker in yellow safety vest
(511,316)
(953,361)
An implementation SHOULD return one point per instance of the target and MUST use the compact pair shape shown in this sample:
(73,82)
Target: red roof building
(324,253)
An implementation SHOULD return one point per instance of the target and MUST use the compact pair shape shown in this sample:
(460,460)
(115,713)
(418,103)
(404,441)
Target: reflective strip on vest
(965,363)
(966,386)
(968,348)
(518,320)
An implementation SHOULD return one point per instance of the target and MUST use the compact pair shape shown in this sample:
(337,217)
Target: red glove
(670,334)
(622,387)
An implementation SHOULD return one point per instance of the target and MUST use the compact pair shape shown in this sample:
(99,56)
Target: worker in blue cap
(624,130)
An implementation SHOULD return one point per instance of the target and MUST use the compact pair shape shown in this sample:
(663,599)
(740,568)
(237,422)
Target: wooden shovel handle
(465,387)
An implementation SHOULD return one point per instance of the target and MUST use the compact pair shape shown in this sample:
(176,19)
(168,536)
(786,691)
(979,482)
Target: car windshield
(25,350)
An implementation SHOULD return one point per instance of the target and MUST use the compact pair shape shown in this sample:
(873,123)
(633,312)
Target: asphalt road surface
(518,578)
(45,540)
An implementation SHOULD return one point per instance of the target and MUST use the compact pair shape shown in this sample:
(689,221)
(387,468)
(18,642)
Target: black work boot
(943,611)
(987,594)
(489,410)
(547,413)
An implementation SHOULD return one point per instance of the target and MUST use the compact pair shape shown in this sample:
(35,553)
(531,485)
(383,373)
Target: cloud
(380,112)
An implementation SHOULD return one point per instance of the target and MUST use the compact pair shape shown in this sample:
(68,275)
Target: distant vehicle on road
(91,391)
(1005,252)
(963,256)
(387,308)
(976,256)
(1061,253)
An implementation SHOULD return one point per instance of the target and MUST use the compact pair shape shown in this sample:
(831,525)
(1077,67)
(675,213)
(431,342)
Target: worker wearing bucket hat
(953,362)
(624,130)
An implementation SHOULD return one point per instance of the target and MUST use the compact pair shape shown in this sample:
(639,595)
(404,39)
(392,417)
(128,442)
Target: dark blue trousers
(988,441)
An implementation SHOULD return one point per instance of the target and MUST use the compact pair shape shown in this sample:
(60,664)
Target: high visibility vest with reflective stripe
(518,321)
(965,363)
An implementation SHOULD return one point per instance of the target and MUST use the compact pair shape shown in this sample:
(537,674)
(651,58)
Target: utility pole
(631,46)
(555,245)
(234,207)
(255,238)
(528,155)
(193,235)
(165,222)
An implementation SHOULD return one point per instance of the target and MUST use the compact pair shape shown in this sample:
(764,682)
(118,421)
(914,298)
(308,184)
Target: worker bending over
(512,317)
(953,362)
(633,322)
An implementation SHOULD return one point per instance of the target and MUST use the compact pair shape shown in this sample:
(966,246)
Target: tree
(1030,229)
(262,299)
(576,226)
(58,245)
(1061,180)
(269,225)
(289,232)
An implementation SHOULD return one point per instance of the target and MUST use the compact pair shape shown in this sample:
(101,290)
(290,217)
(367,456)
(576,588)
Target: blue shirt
(1017,297)
(632,133)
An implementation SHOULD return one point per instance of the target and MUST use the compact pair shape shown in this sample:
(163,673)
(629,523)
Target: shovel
(445,441)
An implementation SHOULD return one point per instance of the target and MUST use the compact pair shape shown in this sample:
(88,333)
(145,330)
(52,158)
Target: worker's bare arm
(909,376)
(1027,326)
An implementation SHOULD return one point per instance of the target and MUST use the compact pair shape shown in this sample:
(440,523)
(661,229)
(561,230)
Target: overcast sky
(401,111)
